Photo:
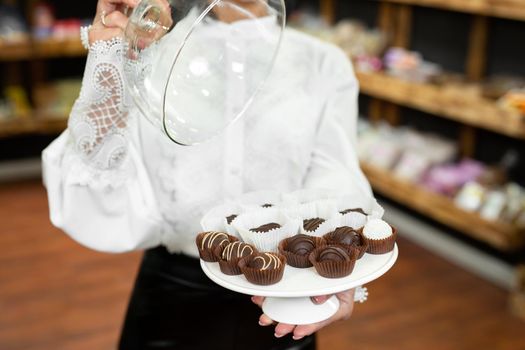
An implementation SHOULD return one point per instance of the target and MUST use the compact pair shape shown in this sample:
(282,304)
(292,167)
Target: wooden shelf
(50,48)
(451,103)
(33,125)
(500,235)
(510,9)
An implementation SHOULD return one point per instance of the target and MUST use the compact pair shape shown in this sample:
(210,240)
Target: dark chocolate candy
(236,250)
(266,227)
(213,239)
(333,253)
(265,261)
(345,235)
(300,244)
(230,218)
(312,224)
(355,210)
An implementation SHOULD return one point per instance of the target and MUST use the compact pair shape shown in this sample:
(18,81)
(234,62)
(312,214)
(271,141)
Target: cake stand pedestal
(288,301)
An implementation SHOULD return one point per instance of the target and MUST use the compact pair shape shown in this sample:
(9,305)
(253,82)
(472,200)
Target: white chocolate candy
(377,229)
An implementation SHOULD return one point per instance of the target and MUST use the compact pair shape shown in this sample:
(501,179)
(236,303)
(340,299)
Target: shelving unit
(448,101)
(498,234)
(511,9)
(33,125)
(36,51)
(50,48)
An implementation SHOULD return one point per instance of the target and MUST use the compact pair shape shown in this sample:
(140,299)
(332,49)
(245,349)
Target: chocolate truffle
(266,227)
(209,242)
(312,224)
(333,261)
(300,244)
(213,239)
(236,250)
(265,261)
(355,210)
(333,253)
(230,218)
(263,268)
(345,235)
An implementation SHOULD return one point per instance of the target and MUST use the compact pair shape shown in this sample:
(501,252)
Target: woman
(116,184)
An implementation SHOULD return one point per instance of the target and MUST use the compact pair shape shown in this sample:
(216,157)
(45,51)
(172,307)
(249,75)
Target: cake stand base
(298,311)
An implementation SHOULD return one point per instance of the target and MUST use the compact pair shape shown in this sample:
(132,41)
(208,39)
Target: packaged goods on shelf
(56,100)
(410,65)
(17,101)
(506,203)
(405,152)
(448,179)
(365,46)
(12,26)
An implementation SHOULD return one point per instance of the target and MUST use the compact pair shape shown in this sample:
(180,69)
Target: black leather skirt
(175,306)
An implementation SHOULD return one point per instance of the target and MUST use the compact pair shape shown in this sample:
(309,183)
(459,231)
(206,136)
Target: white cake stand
(289,300)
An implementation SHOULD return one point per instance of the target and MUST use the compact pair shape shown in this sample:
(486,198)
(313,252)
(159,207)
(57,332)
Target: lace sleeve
(99,119)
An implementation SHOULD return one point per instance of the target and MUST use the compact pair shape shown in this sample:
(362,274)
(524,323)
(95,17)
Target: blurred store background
(442,141)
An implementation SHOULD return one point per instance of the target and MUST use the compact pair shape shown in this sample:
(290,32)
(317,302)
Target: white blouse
(115,183)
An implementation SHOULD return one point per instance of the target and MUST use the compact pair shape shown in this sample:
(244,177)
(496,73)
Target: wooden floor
(55,294)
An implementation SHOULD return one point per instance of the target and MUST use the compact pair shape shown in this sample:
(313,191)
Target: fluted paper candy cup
(264,277)
(362,248)
(207,249)
(297,260)
(363,201)
(322,209)
(231,266)
(381,237)
(217,219)
(333,269)
(267,241)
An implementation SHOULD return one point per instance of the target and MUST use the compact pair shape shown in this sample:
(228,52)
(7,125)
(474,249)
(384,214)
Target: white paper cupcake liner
(323,209)
(353,220)
(215,219)
(267,241)
(366,202)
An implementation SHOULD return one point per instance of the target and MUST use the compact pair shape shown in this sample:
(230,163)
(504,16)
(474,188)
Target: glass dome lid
(194,66)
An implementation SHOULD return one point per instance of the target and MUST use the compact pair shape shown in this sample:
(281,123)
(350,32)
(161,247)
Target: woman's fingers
(116,19)
(321,299)
(258,300)
(112,5)
(265,321)
(283,329)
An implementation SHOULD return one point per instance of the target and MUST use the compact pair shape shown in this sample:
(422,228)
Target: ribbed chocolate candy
(266,227)
(345,235)
(333,253)
(312,224)
(355,210)
(300,244)
(230,218)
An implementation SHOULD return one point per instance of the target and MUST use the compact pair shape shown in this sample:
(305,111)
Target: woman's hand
(115,19)
(346,306)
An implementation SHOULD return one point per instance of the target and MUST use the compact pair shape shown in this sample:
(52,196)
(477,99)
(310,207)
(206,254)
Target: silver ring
(103,18)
